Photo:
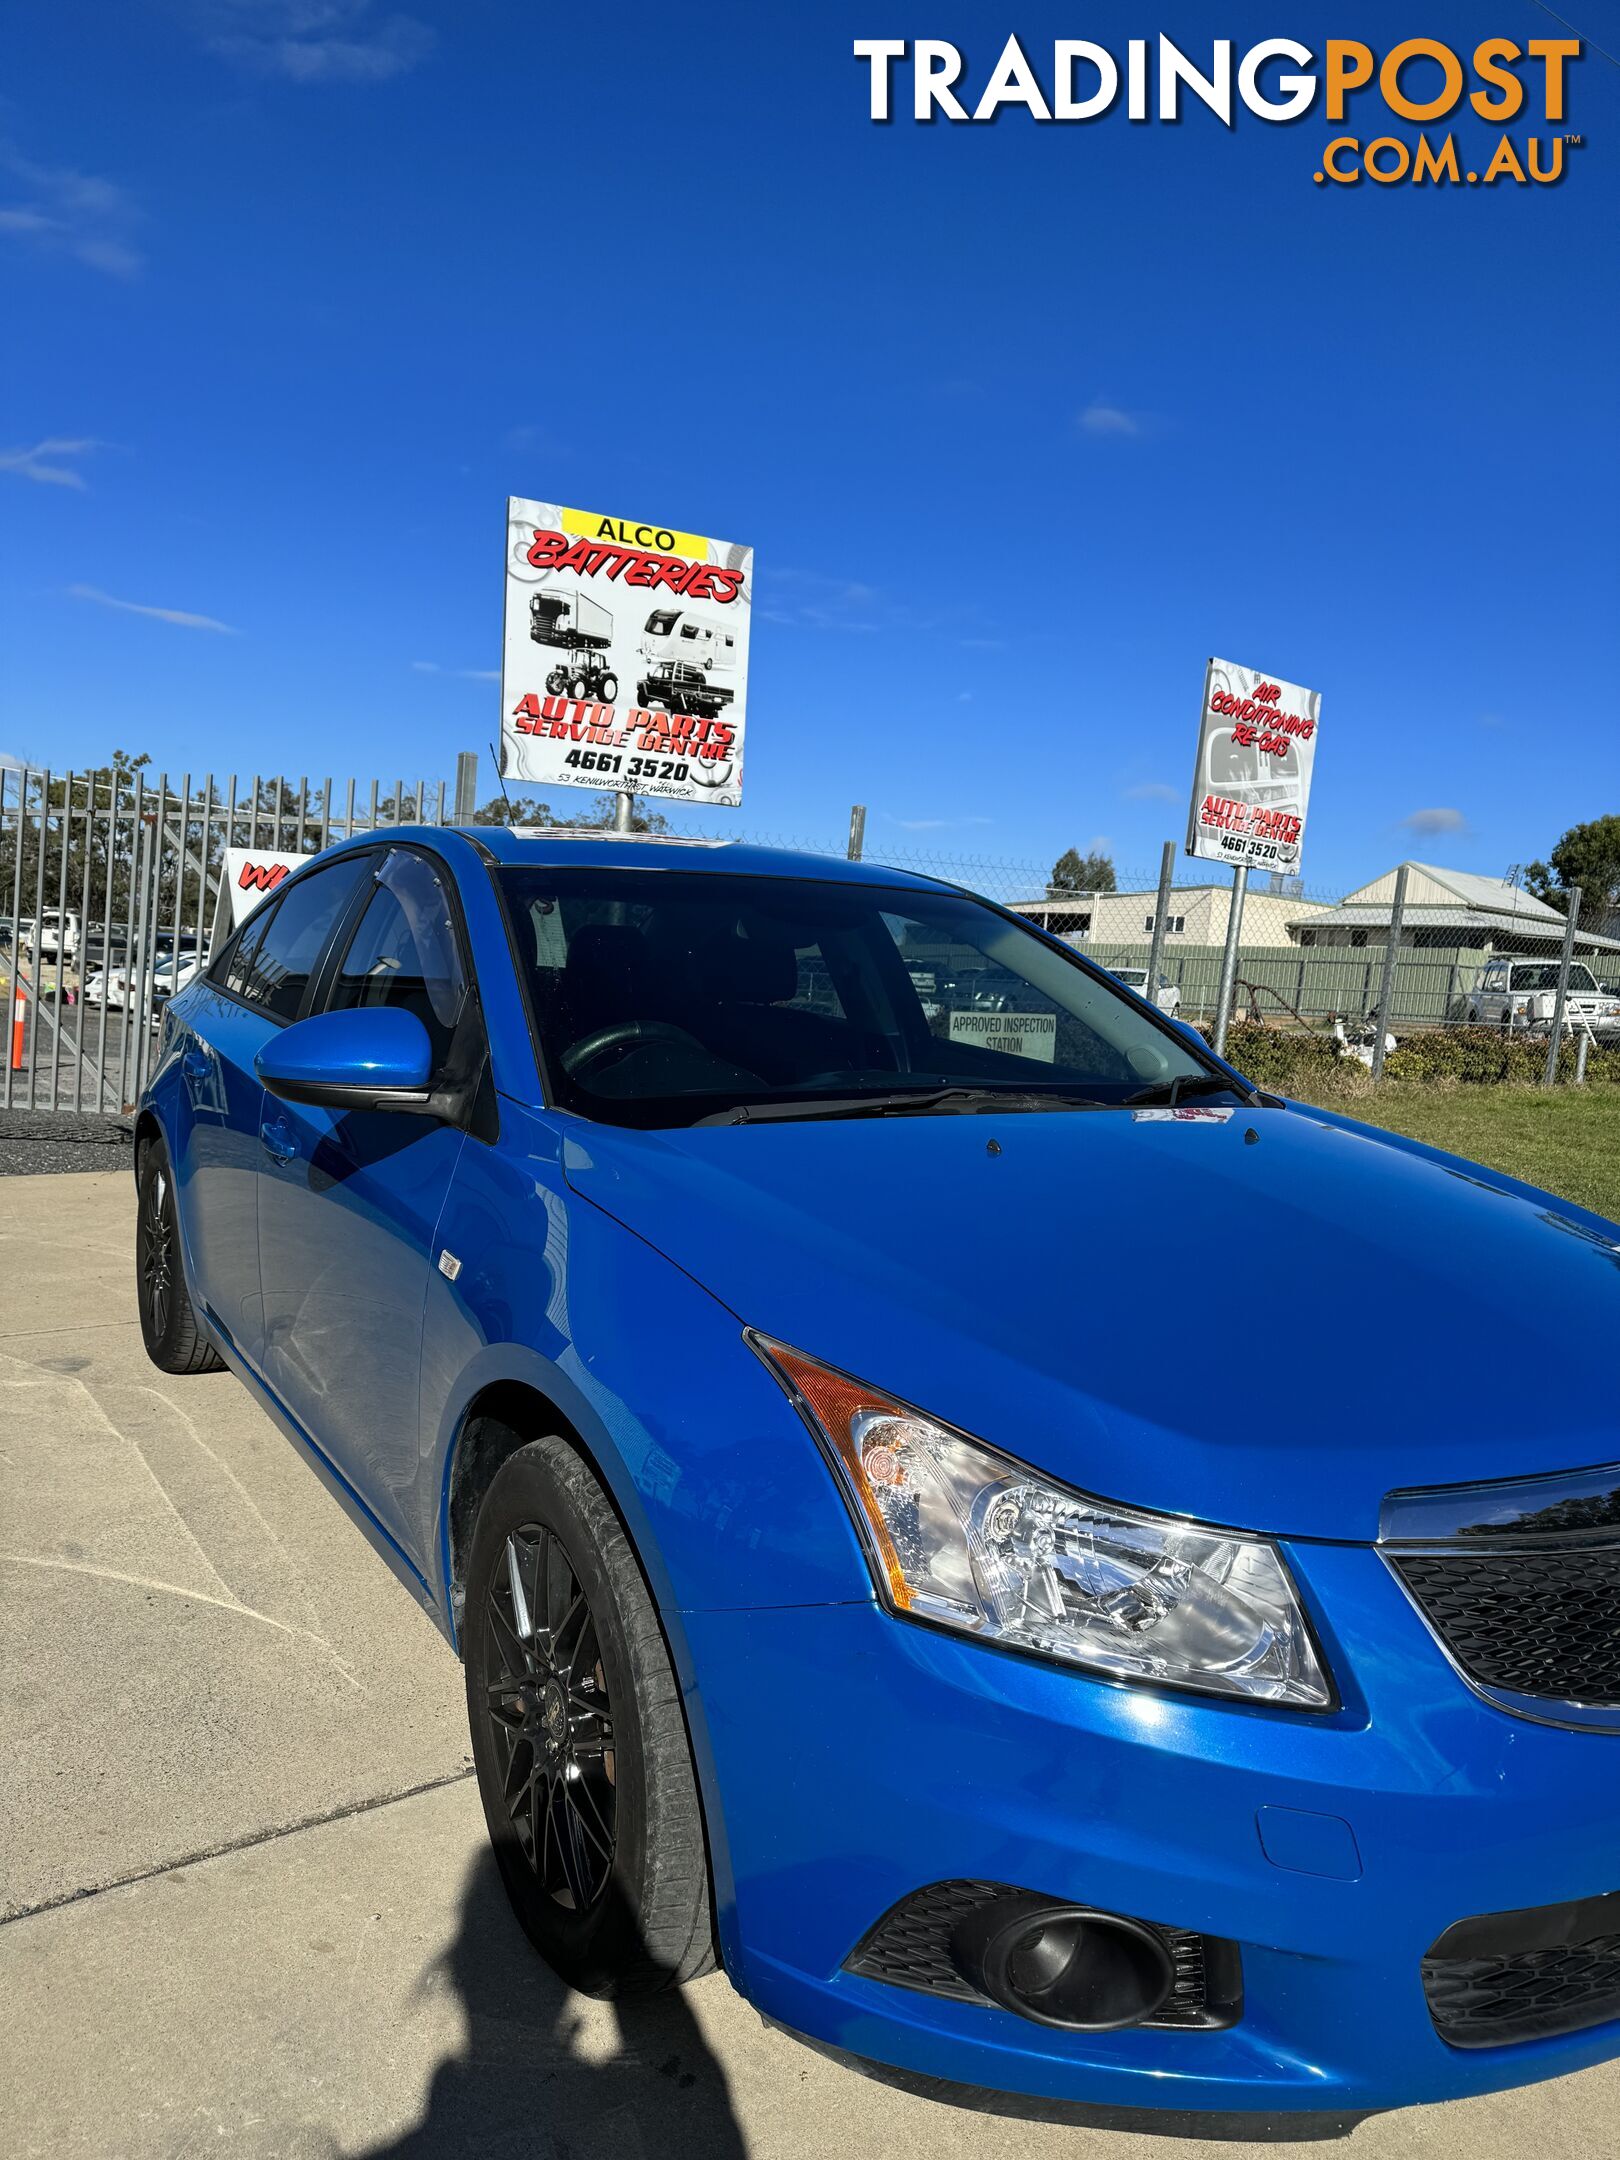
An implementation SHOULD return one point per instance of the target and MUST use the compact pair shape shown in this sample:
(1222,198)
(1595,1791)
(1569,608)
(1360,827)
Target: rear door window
(272,971)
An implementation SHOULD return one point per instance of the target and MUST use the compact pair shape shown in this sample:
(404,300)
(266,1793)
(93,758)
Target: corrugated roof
(1375,917)
(1493,894)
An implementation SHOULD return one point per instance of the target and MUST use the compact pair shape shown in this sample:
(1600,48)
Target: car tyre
(170,1329)
(579,1737)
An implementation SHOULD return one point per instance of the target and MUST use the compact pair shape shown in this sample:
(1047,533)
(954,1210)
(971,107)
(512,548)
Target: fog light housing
(1064,1965)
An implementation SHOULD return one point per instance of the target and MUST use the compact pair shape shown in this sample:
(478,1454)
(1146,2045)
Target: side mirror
(376,1059)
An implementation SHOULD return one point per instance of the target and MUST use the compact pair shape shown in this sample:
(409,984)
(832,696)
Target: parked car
(1524,993)
(1166,996)
(55,937)
(763,1401)
(118,988)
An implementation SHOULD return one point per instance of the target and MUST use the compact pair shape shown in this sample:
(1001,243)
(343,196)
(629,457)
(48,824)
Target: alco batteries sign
(1256,749)
(625,658)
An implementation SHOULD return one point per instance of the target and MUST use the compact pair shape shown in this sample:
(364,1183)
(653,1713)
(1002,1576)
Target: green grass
(1565,1139)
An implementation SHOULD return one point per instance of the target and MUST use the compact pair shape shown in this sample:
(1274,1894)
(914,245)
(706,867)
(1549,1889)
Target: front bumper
(855,1758)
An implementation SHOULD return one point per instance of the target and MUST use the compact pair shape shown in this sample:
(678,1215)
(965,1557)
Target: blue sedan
(886,1466)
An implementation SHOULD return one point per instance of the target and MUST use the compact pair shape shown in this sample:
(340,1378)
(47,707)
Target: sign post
(1167,871)
(624,663)
(1234,932)
(1555,1040)
(1386,981)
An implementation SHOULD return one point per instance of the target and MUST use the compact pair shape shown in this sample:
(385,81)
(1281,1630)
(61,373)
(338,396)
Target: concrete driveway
(246,1905)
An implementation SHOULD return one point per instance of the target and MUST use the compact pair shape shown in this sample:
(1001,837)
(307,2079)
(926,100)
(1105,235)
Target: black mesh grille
(911,1947)
(1534,1622)
(1499,1980)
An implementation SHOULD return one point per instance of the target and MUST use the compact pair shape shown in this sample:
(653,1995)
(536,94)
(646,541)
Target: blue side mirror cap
(370,1059)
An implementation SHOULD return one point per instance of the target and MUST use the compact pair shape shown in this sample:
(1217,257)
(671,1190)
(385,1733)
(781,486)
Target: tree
(78,814)
(1074,873)
(1588,856)
(530,810)
(514,810)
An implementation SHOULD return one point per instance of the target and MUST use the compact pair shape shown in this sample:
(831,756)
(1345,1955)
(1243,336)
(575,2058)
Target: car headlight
(961,1535)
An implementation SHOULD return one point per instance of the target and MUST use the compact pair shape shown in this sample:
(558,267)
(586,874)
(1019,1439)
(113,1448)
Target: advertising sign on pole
(1256,748)
(624,664)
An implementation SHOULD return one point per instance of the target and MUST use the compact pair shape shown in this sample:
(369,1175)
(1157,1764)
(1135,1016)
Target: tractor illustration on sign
(584,632)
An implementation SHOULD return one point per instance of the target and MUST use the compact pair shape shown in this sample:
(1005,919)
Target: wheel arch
(147,1129)
(503,1415)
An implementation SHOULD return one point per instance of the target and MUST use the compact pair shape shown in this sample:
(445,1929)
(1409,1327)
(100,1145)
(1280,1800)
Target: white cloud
(464,674)
(1101,417)
(180,616)
(818,602)
(314,41)
(533,439)
(42,462)
(1153,791)
(71,213)
(1426,823)
(1099,844)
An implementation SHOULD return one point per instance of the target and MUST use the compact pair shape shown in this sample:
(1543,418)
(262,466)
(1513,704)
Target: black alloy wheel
(578,1728)
(170,1329)
(551,1718)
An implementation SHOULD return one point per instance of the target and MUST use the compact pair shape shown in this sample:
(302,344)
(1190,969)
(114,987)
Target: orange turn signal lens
(853,1420)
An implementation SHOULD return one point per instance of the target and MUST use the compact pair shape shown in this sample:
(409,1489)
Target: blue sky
(1023,421)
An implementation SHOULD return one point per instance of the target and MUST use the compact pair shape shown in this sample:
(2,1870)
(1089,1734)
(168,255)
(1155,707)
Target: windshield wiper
(900,1103)
(1171,1091)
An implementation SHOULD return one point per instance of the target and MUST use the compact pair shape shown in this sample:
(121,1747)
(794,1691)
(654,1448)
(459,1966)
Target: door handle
(278,1140)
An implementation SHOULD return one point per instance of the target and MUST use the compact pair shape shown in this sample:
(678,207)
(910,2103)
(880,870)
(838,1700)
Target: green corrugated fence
(1431,983)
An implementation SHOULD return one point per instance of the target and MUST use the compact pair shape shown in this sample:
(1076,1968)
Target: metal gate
(108,884)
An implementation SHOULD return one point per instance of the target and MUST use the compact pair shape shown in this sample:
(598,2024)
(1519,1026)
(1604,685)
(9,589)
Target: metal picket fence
(109,881)
(108,884)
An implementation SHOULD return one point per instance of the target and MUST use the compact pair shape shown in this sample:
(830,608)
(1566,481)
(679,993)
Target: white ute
(1524,993)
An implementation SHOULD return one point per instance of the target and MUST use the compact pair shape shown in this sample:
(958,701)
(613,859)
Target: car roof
(551,847)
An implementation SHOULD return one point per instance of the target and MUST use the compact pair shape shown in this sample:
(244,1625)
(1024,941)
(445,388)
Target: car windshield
(660,997)
(1544,976)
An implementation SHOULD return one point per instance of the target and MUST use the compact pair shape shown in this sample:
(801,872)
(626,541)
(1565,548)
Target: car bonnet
(1270,1332)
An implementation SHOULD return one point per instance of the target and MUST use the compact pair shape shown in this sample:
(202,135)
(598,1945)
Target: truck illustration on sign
(583,631)
(683,689)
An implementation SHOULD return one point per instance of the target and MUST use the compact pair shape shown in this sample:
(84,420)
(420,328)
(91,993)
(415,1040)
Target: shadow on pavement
(529,2081)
